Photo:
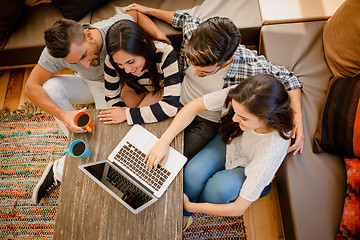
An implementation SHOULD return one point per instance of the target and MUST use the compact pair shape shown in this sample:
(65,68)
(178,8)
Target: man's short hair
(60,36)
(213,42)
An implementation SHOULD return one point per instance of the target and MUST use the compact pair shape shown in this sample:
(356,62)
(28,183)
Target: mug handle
(88,129)
(66,150)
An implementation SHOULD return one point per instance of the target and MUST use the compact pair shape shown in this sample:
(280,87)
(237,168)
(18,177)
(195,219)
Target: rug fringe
(27,108)
(31,108)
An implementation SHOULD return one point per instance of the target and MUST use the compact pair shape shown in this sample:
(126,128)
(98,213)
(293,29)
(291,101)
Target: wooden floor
(262,219)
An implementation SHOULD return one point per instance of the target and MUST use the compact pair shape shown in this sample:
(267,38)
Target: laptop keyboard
(133,196)
(133,159)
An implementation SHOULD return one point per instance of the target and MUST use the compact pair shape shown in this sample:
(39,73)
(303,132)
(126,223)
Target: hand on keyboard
(157,155)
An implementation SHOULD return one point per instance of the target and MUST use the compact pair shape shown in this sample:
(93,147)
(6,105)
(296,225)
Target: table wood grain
(86,211)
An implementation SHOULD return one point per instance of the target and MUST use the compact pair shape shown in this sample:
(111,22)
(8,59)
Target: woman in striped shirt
(142,82)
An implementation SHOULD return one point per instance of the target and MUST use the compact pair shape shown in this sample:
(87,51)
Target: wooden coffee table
(86,211)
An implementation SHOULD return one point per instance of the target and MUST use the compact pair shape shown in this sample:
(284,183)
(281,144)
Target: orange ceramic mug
(82,119)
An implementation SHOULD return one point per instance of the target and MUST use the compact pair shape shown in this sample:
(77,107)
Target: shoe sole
(188,223)
(38,185)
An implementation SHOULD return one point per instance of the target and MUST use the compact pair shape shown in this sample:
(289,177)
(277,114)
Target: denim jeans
(207,180)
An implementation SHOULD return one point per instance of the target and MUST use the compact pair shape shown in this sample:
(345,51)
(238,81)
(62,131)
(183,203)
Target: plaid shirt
(245,64)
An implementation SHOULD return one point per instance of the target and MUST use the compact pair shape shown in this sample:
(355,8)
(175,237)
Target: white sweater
(260,154)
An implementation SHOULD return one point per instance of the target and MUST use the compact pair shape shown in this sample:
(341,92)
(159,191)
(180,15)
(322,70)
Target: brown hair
(265,97)
(129,36)
(213,42)
(60,36)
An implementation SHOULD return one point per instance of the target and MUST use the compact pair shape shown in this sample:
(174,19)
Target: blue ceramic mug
(79,149)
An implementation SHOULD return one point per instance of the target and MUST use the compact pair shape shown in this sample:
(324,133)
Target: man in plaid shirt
(211,58)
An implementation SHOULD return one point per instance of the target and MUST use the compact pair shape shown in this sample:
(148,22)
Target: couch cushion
(338,130)
(76,9)
(311,186)
(113,6)
(342,40)
(9,13)
(244,13)
(26,42)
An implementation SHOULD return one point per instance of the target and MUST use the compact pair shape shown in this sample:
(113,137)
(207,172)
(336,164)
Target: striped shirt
(245,64)
(167,66)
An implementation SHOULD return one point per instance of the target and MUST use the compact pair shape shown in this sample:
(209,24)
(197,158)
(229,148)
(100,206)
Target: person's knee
(54,89)
(223,187)
(130,97)
(131,101)
(150,99)
(193,183)
(196,174)
(191,174)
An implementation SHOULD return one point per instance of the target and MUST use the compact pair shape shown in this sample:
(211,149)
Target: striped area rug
(28,142)
(210,227)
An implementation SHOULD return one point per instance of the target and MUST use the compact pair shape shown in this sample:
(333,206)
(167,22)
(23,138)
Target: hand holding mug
(82,119)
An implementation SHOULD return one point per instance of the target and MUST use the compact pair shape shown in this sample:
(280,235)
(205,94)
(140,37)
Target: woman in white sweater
(237,166)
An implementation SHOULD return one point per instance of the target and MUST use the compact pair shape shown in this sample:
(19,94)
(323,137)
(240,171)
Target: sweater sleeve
(261,170)
(214,101)
(168,106)
(112,85)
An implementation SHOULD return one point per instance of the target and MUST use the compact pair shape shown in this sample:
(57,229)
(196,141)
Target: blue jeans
(207,180)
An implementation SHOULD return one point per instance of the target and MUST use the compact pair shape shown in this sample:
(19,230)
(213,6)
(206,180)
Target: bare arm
(160,14)
(295,97)
(236,208)
(148,25)
(36,93)
(181,121)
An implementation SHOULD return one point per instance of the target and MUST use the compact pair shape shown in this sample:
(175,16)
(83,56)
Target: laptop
(124,174)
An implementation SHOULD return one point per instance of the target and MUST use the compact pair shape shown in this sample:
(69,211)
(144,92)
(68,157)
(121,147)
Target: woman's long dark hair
(128,36)
(265,97)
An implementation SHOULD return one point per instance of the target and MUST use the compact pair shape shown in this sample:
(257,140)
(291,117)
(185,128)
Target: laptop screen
(127,191)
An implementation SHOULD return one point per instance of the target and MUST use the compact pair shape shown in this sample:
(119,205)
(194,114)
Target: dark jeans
(198,134)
